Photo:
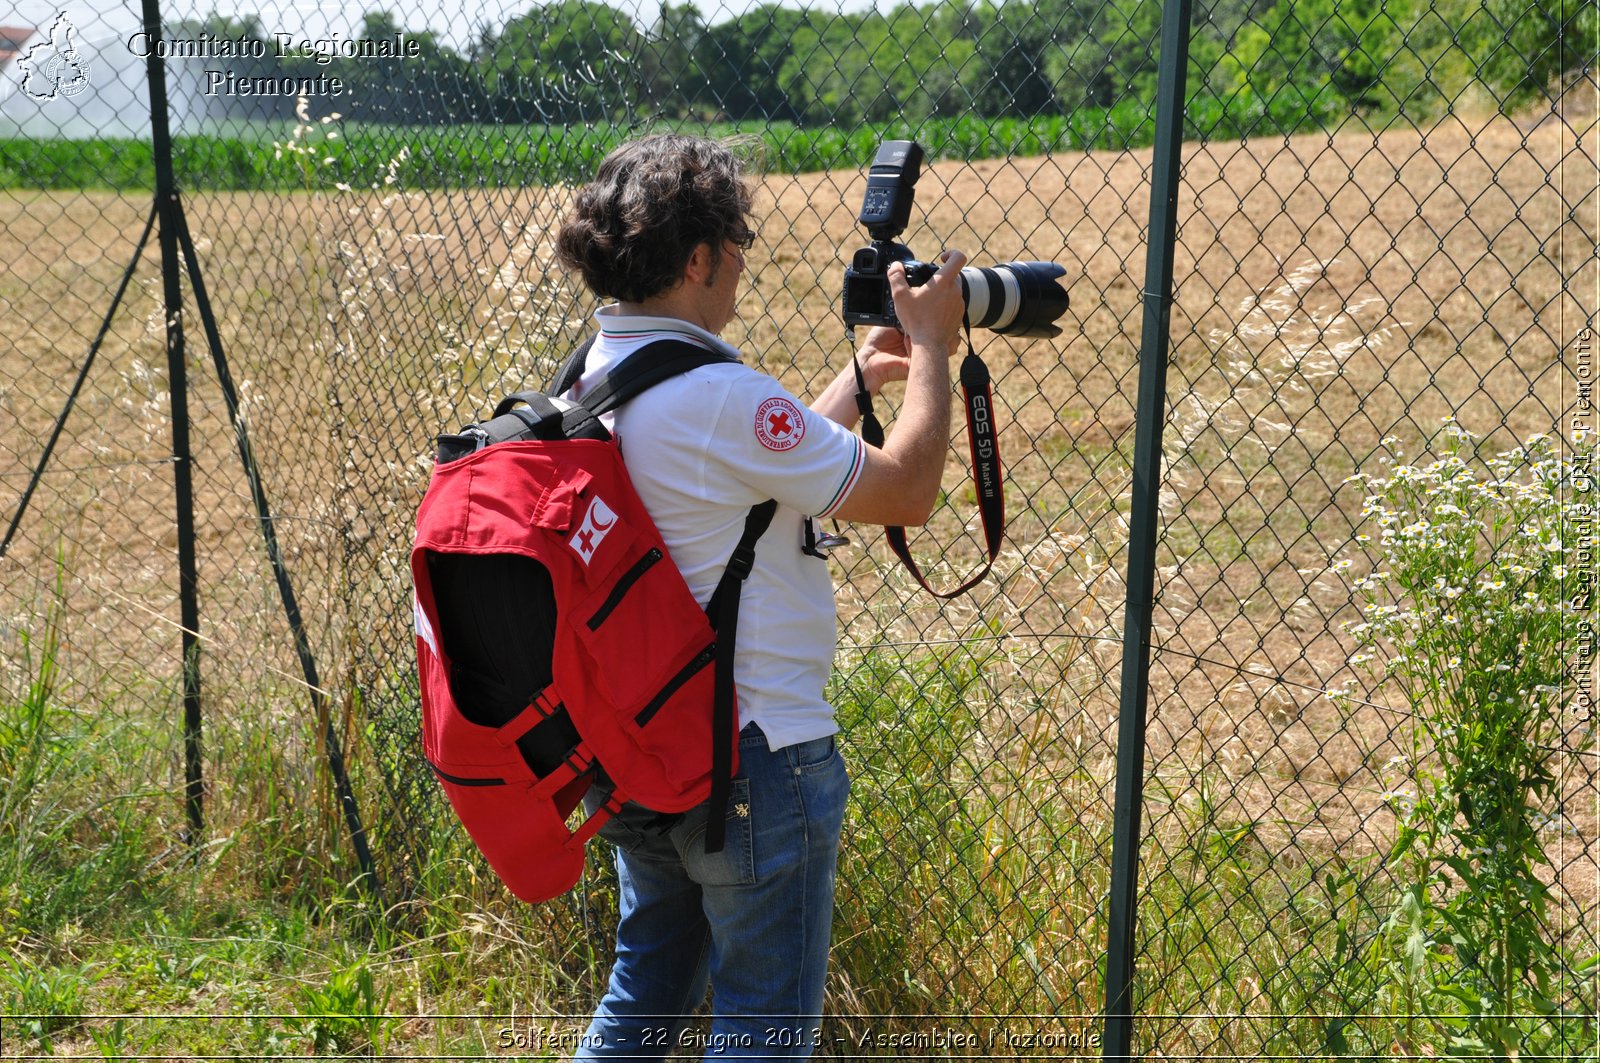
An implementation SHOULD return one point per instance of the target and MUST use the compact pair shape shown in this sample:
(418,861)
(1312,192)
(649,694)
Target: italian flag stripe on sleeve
(849,480)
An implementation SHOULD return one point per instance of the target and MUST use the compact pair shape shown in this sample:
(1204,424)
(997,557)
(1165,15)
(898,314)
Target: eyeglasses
(744,239)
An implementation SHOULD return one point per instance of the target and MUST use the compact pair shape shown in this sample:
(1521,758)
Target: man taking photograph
(663,232)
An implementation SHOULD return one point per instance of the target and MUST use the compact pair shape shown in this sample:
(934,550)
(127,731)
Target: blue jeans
(754,918)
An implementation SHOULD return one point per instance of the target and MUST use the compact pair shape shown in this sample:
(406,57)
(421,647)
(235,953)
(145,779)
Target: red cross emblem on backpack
(596,523)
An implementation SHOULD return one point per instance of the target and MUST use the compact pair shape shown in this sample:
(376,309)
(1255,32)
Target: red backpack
(558,647)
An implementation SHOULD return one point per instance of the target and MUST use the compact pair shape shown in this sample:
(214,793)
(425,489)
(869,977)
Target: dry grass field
(1331,291)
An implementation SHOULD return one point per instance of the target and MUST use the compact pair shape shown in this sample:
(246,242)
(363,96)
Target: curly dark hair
(652,202)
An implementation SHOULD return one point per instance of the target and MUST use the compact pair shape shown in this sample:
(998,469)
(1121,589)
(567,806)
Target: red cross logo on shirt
(779,425)
(586,541)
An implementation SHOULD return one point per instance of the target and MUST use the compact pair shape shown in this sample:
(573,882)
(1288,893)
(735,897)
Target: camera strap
(984,446)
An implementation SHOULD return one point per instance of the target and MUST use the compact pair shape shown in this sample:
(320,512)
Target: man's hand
(884,357)
(885,353)
(930,314)
(899,482)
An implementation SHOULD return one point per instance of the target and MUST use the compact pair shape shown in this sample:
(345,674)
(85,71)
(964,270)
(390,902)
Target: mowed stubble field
(1331,291)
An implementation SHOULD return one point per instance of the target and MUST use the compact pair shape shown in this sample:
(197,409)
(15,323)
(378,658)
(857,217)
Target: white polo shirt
(701,449)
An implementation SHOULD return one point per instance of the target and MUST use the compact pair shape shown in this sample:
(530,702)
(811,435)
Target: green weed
(43,1001)
(121,1040)
(1474,608)
(345,1013)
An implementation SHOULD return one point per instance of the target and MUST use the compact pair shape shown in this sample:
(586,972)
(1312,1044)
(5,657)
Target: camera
(1015,299)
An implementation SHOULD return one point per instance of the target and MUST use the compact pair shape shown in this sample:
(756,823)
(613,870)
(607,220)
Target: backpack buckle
(579,760)
(742,561)
(469,440)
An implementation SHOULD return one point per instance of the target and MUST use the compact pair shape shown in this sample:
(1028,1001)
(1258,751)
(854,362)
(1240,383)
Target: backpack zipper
(629,578)
(463,781)
(701,659)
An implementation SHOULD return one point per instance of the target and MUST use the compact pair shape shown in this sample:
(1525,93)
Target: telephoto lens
(1016,299)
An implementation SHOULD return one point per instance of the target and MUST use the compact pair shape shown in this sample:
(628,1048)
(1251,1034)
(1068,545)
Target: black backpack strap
(723,609)
(544,422)
(639,372)
(644,369)
(571,369)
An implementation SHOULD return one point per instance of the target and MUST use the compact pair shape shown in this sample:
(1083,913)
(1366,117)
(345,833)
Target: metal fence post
(177,253)
(167,208)
(1149,419)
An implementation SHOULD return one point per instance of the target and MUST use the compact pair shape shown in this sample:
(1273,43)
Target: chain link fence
(1387,217)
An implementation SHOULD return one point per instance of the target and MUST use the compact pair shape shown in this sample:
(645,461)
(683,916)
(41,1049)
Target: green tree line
(1277,61)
